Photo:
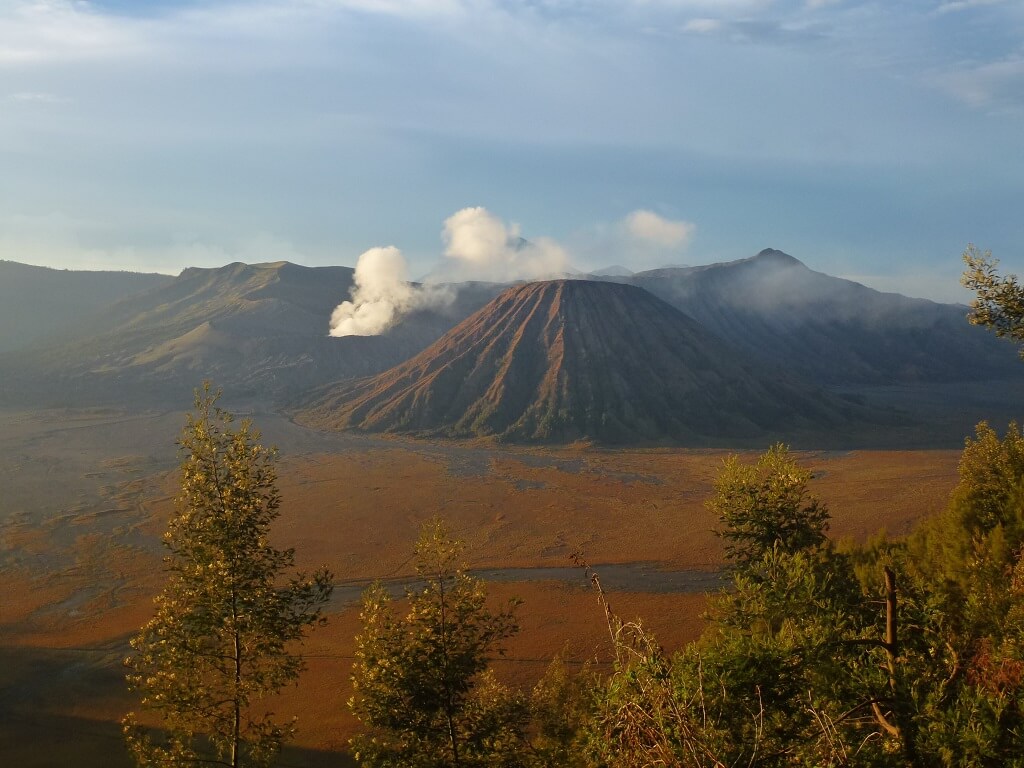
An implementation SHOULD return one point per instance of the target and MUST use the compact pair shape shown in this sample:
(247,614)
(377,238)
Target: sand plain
(85,495)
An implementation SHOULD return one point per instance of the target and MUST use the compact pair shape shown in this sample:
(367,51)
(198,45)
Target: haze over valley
(610,371)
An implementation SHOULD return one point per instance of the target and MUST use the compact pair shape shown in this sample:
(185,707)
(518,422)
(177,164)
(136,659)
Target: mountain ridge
(565,360)
(41,304)
(261,331)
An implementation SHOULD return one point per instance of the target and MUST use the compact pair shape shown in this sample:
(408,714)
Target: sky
(871,140)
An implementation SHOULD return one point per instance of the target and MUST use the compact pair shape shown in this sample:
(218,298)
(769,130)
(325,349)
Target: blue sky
(872,140)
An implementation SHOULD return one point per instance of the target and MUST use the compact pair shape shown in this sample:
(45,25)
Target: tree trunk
(903,728)
(236,729)
(449,709)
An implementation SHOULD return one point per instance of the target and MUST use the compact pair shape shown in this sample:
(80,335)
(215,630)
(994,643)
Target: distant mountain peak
(774,255)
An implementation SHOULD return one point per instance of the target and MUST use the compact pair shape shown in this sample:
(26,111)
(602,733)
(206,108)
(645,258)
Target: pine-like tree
(422,686)
(226,624)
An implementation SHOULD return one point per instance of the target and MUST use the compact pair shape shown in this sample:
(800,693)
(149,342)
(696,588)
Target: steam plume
(478,246)
(381,295)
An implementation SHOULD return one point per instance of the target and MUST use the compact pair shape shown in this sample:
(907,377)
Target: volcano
(577,360)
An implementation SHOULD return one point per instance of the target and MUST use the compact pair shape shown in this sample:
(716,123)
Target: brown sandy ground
(87,495)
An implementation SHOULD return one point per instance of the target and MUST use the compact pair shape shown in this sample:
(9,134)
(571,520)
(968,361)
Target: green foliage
(560,708)
(422,685)
(792,667)
(222,637)
(999,303)
(991,474)
(966,570)
(642,714)
(810,658)
(793,646)
(766,506)
(795,650)
(966,552)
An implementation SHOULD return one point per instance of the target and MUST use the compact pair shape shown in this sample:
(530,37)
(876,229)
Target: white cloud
(480,246)
(964,5)
(649,227)
(702,26)
(727,7)
(42,31)
(408,8)
(36,97)
(998,84)
(638,241)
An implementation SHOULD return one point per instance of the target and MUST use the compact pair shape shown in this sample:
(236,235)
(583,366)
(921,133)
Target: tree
(226,622)
(561,706)
(766,506)
(794,646)
(793,669)
(968,562)
(999,304)
(422,685)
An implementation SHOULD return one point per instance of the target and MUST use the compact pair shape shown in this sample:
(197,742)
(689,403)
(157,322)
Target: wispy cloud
(407,8)
(69,241)
(703,26)
(649,227)
(42,31)
(991,85)
(965,5)
(719,7)
(36,97)
(759,31)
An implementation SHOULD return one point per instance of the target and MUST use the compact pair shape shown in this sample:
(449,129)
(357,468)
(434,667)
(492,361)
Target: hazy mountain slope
(570,359)
(39,302)
(832,331)
(260,330)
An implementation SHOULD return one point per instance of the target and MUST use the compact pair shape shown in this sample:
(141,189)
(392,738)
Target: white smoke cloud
(478,246)
(382,294)
(652,228)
